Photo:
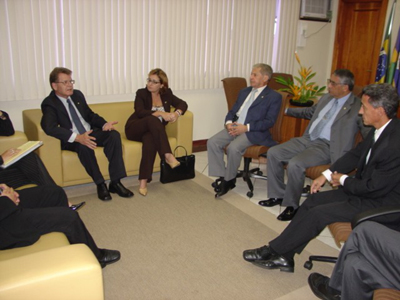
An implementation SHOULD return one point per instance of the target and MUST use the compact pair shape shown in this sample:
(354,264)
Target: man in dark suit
(330,134)
(369,260)
(67,117)
(246,124)
(32,212)
(376,183)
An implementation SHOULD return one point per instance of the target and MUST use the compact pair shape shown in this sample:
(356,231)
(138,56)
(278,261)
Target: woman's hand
(10,153)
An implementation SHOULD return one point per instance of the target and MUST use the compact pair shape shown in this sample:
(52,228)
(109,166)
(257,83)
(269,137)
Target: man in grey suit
(369,260)
(331,132)
(247,123)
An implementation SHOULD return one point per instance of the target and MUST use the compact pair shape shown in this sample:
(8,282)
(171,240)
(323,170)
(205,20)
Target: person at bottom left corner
(27,214)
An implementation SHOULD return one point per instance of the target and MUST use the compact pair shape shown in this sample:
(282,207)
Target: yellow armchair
(44,271)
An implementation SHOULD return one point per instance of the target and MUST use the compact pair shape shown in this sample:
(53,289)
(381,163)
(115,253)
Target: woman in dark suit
(147,123)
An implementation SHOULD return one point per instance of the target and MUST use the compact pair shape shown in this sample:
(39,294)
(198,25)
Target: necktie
(75,117)
(370,149)
(243,113)
(316,132)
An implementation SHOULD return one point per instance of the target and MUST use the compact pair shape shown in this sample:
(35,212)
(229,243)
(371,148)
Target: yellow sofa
(50,269)
(65,167)
(13,141)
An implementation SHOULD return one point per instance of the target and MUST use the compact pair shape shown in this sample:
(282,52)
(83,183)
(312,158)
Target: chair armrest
(376,213)
(50,152)
(69,272)
(13,141)
(182,130)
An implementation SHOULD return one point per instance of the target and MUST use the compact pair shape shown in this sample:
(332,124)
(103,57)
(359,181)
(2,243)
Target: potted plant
(303,91)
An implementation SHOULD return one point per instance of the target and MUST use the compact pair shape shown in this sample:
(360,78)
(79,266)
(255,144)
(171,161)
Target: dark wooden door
(359,32)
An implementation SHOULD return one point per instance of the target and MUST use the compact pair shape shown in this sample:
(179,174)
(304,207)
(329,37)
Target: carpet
(179,242)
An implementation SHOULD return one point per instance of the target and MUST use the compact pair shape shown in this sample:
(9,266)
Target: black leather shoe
(103,193)
(319,284)
(276,262)
(271,202)
(77,206)
(109,257)
(117,187)
(287,214)
(225,187)
(217,182)
(262,253)
(306,191)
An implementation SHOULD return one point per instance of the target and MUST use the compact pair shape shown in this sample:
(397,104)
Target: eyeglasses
(328,81)
(66,82)
(152,81)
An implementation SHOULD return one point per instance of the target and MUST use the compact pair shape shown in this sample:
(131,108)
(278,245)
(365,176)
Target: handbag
(184,171)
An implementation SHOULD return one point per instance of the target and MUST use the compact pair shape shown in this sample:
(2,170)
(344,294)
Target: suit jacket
(379,179)
(144,103)
(15,231)
(261,115)
(56,122)
(344,128)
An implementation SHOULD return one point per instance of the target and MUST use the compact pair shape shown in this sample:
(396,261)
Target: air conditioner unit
(318,10)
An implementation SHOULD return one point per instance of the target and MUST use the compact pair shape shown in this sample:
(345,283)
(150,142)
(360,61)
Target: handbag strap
(180,147)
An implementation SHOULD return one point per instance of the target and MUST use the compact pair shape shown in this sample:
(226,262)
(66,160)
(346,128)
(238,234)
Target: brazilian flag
(382,68)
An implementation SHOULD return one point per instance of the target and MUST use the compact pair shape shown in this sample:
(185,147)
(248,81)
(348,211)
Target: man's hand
(10,193)
(109,126)
(10,153)
(86,140)
(317,184)
(336,178)
(236,129)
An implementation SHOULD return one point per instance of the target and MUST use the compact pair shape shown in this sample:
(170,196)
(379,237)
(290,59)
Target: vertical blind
(111,45)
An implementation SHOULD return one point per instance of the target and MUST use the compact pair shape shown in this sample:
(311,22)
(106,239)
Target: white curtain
(286,35)
(111,45)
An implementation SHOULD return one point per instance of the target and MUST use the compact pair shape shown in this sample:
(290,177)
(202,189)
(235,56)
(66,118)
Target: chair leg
(309,263)
(247,176)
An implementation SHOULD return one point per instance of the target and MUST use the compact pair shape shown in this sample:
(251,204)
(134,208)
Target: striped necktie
(75,117)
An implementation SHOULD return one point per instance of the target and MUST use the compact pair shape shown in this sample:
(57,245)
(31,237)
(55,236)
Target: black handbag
(184,171)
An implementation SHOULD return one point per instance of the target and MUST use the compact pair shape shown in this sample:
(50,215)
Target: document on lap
(26,148)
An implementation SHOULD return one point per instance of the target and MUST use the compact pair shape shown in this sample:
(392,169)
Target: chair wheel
(250,194)
(308,265)
(259,173)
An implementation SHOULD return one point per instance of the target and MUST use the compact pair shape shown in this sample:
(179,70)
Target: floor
(260,192)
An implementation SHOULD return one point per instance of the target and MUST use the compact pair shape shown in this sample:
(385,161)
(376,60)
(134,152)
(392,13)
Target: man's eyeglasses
(152,81)
(66,82)
(328,81)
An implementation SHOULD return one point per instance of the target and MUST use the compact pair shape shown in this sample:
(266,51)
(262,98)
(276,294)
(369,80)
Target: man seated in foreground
(369,260)
(376,183)
(32,212)
(247,123)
